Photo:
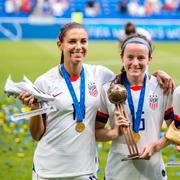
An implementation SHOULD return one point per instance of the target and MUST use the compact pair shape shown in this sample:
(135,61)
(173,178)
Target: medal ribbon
(136,120)
(79,107)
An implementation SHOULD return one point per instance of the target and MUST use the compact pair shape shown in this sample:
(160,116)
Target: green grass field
(32,58)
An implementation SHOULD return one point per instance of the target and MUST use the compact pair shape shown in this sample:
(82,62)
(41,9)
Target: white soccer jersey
(62,151)
(156,107)
(176,104)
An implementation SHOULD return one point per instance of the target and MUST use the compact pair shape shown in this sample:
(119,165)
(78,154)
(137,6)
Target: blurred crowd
(38,7)
(148,7)
(92,8)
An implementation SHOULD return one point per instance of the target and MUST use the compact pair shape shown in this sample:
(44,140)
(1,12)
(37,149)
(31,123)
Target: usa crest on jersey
(92,89)
(153,101)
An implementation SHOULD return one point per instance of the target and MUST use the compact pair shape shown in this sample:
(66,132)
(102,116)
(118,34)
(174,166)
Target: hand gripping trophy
(117,95)
(173,132)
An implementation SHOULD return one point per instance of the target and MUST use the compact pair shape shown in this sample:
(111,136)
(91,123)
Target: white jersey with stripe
(62,151)
(156,106)
(176,104)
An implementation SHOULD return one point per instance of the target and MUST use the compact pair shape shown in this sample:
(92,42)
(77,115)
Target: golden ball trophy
(117,95)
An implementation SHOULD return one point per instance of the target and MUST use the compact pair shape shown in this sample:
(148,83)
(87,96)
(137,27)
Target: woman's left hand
(147,151)
(165,81)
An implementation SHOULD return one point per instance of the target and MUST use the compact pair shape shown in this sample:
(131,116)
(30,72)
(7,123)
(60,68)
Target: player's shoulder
(100,73)
(152,80)
(176,93)
(154,86)
(96,68)
(48,77)
(52,73)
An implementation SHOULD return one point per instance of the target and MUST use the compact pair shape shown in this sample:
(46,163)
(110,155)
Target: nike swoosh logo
(55,95)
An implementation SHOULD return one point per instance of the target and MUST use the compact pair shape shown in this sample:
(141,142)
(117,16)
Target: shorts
(83,177)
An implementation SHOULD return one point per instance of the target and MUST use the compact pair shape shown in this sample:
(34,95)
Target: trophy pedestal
(131,157)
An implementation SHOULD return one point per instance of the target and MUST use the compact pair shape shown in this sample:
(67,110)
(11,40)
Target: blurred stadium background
(104,19)
(28,33)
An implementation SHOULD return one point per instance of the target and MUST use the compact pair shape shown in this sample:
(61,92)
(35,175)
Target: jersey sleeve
(105,75)
(176,106)
(169,113)
(102,114)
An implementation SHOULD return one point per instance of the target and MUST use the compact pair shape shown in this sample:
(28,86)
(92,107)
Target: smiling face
(136,60)
(74,46)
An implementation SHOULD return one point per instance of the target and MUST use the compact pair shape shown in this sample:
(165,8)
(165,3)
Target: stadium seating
(108,9)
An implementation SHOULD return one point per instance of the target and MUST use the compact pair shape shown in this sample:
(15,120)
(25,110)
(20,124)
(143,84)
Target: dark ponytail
(119,79)
(62,58)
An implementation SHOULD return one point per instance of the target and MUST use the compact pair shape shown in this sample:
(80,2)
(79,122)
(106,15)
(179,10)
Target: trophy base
(131,157)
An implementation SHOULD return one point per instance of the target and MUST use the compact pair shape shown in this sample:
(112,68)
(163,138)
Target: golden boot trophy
(173,134)
(117,95)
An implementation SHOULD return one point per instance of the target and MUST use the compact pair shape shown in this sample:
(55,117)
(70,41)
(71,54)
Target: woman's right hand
(29,100)
(120,120)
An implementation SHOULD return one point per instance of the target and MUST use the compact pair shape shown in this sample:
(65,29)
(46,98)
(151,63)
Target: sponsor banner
(97,29)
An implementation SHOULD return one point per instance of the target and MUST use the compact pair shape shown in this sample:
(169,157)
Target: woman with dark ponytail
(66,146)
(146,106)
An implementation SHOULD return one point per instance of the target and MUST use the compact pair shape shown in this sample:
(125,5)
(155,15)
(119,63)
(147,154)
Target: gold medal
(137,137)
(80,127)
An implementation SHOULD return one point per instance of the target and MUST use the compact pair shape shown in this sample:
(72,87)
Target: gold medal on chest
(80,127)
(137,136)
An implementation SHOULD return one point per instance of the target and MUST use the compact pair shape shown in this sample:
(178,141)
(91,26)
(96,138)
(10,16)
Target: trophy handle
(117,95)
(128,135)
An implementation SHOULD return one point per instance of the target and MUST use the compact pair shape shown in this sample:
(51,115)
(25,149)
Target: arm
(167,111)
(149,149)
(165,81)
(103,134)
(36,125)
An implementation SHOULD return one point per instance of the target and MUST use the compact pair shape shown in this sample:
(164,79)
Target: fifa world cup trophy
(117,95)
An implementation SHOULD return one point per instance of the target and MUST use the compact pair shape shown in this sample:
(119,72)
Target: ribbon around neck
(136,120)
(78,106)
